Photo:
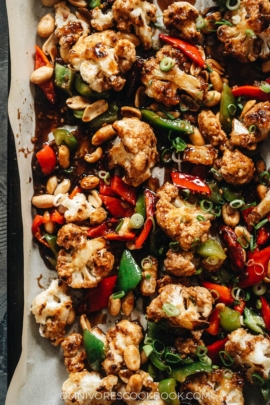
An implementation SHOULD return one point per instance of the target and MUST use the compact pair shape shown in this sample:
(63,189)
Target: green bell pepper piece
(140,207)
(64,137)
(172,125)
(229,319)
(94,3)
(82,88)
(78,114)
(180,374)
(254,321)
(230,195)
(167,391)
(64,78)
(215,195)
(51,239)
(225,116)
(129,273)
(108,117)
(211,248)
(95,350)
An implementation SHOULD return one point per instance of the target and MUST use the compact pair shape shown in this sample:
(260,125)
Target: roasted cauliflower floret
(235,167)
(53,310)
(182,16)
(89,388)
(251,353)
(179,220)
(193,304)
(187,347)
(164,86)
(102,59)
(101,21)
(260,211)
(245,40)
(204,155)
(215,388)
(73,352)
(121,339)
(137,14)
(180,264)
(83,263)
(210,128)
(136,152)
(149,277)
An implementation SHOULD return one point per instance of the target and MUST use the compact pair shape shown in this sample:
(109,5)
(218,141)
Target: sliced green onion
(233,6)
(78,114)
(201,351)
(240,240)
(257,379)
(248,206)
(170,309)
(117,295)
(168,115)
(226,359)
(183,108)
(166,156)
(174,246)
(224,22)
(105,176)
(186,193)
(206,205)
(166,64)
(148,341)
(212,260)
(146,263)
(252,243)
(216,211)
(259,304)
(227,373)
(264,178)
(250,33)
(119,225)
(260,224)
(252,129)
(158,363)
(259,289)
(94,3)
(158,347)
(198,271)
(215,367)
(179,144)
(200,218)
(215,294)
(238,293)
(237,204)
(206,360)
(265,87)
(247,297)
(200,23)
(172,358)
(216,173)
(232,109)
(136,221)
(148,276)
(148,349)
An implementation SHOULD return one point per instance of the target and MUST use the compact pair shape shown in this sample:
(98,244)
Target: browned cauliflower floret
(182,15)
(187,347)
(260,211)
(180,264)
(204,155)
(102,59)
(179,220)
(164,86)
(210,128)
(68,29)
(137,14)
(136,152)
(53,310)
(193,305)
(73,352)
(214,388)
(251,353)
(123,351)
(235,167)
(89,388)
(149,277)
(101,21)
(247,39)
(83,263)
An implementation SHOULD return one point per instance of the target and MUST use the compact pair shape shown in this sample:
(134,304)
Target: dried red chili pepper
(235,252)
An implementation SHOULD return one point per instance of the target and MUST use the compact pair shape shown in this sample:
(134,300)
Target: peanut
(46,26)
(216,81)
(128,303)
(114,306)
(51,184)
(63,187)
(212,98)
(132,358)
(103,134)
(63,156)
(43,201)
(41,74)
(89,182)
(134,384)
(230,215)
(196,138)
(94,157)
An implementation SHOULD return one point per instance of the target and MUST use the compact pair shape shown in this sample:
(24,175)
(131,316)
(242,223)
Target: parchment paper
(40,372)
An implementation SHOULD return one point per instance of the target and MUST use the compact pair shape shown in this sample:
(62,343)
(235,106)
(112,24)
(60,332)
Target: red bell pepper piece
(224,292)
(37,222)
(190,50)
(193,183)
(107,229)
(105,189)
(97,298)
(214,321)
(57,217)
(150,204)
(263,235)
(47,159)
(240,307)
(116,207)
(48,86)
(215,348)
(75,191)
(266,312)
(257,267)
(251,92)
(128,193)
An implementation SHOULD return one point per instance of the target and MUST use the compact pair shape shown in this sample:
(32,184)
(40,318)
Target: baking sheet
(40,373)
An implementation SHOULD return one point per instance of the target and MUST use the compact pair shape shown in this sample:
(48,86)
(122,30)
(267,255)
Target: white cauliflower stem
(101,21)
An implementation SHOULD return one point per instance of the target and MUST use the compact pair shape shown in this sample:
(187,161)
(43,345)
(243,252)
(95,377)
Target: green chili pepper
(51,239)
(172,125)
(94,3)
(64,137)
(230,195)
(64,78)
(167,391)
(82,88)
(95,350)
(229,319)
(226,113)
(211,248)
(253,321)
(180,374)
(140,206)
(215,195)
(129,273)
(106,118)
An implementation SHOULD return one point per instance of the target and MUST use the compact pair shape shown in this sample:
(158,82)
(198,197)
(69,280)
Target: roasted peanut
(230,215)
(242,235)
(94,110)
(196,138)
(216,81)
(78,3)
(247,107)
(266,66)
(215,65)
(134,384)
(77,103)
(125,375)
(51,184)
(84,322)
(49,3)
(128,303)
(114,306)
(64,53)
(139,97)
(43,201)
(95,199)
(89,182)
(63,187)
(64,156)
(132,358)
(212,98)
(103,134)
(261,191)
(49,226)
(45,26)
(41,74)
(130,112)
(94,157)
(260,166)
(144,358)
(71,317)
